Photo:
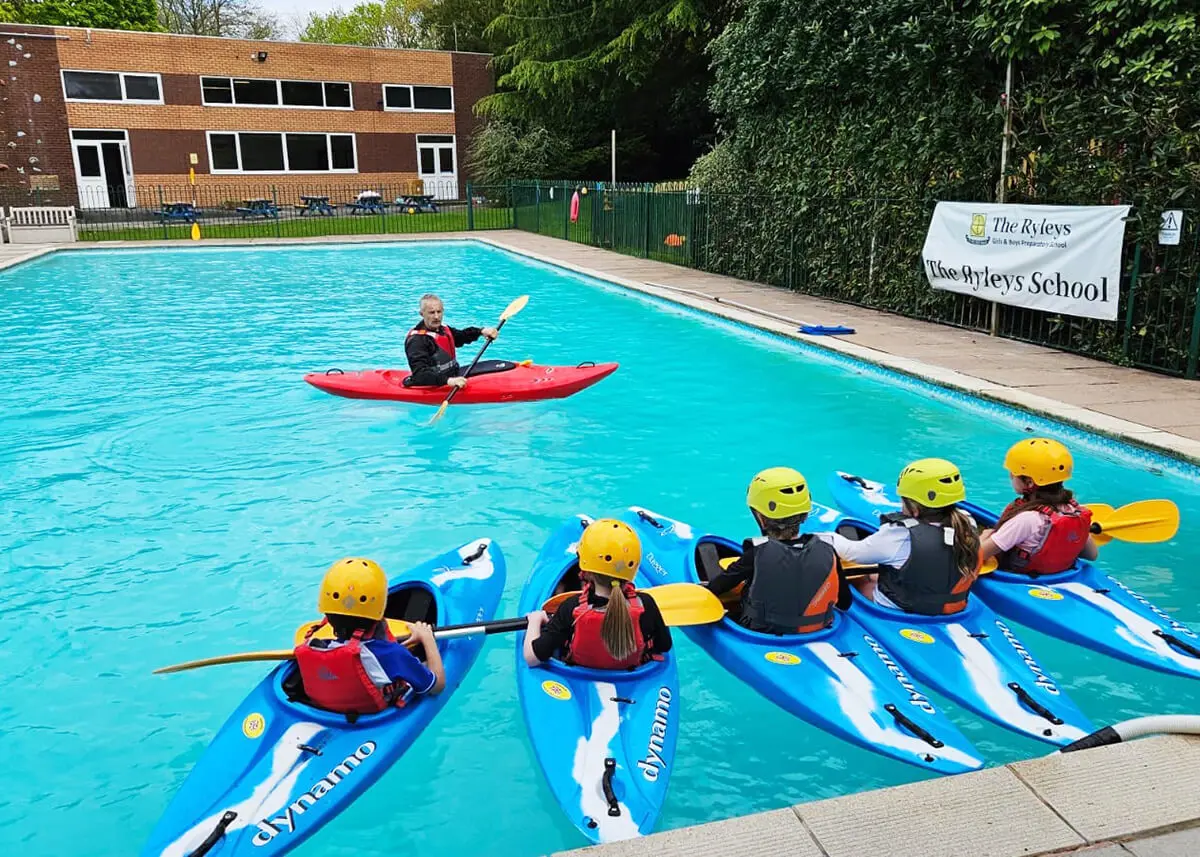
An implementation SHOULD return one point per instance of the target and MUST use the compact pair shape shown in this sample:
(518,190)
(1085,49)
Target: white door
(103,169)
(436,165)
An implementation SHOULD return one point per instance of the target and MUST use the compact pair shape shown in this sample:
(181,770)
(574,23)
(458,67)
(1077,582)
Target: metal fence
(867,252)
(227,210)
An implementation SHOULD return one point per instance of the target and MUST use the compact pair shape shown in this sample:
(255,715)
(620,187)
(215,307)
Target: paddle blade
(441,411)
(399,629)
(1142,522)
(1101,511)
(514,307)
(240,658)
(195,231)
(680,603)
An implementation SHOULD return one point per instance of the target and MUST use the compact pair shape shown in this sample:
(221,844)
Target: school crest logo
(978,233)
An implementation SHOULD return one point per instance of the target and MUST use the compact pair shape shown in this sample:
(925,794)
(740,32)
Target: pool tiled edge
(1127,795)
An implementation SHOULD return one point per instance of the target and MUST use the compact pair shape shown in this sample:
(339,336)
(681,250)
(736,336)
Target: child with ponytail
(609,625)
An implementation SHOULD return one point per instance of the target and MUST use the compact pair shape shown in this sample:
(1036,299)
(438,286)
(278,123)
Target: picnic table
(260,207)
(315,205)
(178,211)
(368,203)
(416,203)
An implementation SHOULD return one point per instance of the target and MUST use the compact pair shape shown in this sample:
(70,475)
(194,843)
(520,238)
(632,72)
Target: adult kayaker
(1044,531)
(609,625)
(430,347)
(363,669)
(791,580)
(928,554)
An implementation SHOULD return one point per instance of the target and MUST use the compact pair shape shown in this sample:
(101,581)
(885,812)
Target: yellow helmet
(354,587)
(933,482)
(779,492)
(610,548)
(1043,460)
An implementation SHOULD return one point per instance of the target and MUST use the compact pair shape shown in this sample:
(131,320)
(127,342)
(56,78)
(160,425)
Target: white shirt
(889,545)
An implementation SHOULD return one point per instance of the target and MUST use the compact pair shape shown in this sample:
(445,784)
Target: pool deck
(1149,410)
(1138,799)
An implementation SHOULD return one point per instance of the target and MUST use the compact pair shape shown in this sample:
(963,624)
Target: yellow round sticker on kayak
(556,690)
(253,725)
(916,636)
(782,658)
(1046,594)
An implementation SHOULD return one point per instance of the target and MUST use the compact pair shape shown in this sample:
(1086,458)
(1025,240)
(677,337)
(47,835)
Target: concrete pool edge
(1159,441)
(1097,801)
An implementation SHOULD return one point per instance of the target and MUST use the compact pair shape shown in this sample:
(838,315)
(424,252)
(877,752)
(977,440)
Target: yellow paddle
(511,310)
(1142,522)
(679,603)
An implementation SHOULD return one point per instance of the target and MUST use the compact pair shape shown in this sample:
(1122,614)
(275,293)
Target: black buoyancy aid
(444,339)
(794,588)
(586,647)
(930,582)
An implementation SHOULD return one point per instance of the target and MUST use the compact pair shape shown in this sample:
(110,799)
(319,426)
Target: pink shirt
(1025,530)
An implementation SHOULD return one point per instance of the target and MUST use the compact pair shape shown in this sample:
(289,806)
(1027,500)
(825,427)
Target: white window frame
(278,81)
(409,87)
(124,99)
(237,140)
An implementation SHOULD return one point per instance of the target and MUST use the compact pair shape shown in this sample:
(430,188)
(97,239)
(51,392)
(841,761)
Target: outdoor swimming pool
(173,490)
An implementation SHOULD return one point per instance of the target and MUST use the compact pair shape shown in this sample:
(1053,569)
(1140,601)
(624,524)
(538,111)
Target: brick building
(100,118)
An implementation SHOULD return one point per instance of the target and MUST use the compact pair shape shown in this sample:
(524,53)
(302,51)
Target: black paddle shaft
(467,374)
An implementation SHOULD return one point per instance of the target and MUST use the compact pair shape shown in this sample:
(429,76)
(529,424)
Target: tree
(582,67)
(500,152)
(390,24)
(106,14)
(459,25)
(218,18)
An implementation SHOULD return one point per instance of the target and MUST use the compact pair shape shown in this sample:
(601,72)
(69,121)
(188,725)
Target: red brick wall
(33,121)
(472,81)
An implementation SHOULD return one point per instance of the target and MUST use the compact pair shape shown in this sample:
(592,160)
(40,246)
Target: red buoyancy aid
(586,648)
(443,338)
(1064,541)
(336,680)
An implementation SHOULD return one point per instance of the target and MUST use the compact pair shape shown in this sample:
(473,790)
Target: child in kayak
(790,581)
(609,625)
(1044,531)
(928,554)
(363,669)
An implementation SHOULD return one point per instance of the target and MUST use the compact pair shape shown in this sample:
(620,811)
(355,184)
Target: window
(111,86)
(89,162)
(224,151)
(256,92)
(261,92)
(273,152)
(439,99)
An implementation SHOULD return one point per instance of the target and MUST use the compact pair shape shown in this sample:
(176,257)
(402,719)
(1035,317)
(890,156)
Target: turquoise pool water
(173,490)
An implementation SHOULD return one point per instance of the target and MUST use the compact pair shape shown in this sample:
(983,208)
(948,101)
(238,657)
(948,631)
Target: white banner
(1058,258)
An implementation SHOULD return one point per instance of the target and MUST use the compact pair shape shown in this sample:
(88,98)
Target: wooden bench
(44,224)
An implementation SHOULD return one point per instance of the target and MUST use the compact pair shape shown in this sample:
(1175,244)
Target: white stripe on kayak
(588,770)
(985,673)
(278,784)
(1137,630)
(679,529)
(856,695)
(480,569)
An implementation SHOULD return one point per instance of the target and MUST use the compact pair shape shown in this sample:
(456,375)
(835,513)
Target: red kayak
(522,383)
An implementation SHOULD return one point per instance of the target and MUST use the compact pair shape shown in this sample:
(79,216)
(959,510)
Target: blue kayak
(1081,605)
(841,679)
(971,657)
(279,769)
(605,739)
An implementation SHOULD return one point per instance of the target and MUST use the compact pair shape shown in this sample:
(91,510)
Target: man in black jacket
(430,347)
